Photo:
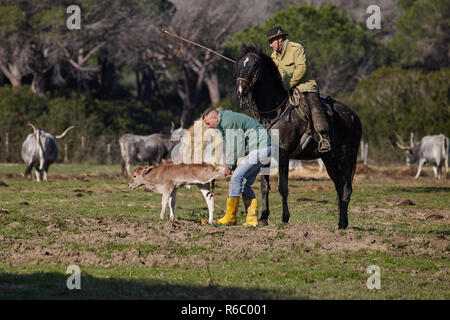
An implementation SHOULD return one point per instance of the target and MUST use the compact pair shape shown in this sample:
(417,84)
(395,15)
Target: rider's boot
(320,121)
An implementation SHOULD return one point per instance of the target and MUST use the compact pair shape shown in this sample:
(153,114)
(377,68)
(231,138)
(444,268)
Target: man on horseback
(290,59)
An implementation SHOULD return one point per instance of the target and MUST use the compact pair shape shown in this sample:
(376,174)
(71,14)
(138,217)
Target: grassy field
(85,215)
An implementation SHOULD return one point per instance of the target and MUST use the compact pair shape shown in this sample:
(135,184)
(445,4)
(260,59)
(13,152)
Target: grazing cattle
(134,148)
(39,150)
(430,149)
(168,177)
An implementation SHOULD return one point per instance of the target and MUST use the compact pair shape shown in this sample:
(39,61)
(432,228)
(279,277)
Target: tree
(27,40)
(189,69)
(35,40)
(14,50)
(357,11)
(396,100)
(112,36)
(424,34)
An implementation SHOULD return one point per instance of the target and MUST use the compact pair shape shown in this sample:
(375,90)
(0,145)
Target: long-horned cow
(39,150)
(134,148)
(430,149)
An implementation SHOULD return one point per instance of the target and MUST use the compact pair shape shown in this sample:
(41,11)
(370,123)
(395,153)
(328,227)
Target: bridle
(250,83)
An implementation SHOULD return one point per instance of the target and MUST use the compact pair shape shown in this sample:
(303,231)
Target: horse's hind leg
(343,185)
(265,188)
(348,165)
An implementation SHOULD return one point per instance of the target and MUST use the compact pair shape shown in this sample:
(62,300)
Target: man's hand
(228,171)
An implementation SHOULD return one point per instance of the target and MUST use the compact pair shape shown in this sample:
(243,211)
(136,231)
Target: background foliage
(119,74)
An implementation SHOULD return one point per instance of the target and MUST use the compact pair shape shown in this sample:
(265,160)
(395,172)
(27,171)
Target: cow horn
(401,146)
(31,125)
(62,135)
(172,126)
(399,142)
(411,139)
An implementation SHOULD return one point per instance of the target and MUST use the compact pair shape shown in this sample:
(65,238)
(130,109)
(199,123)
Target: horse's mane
(266,60)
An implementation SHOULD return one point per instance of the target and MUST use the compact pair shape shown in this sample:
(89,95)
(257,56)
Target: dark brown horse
(260,86)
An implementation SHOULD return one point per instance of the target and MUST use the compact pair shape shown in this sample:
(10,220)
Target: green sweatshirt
(246,131)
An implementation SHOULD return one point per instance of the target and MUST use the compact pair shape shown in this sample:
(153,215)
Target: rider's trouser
(319,118)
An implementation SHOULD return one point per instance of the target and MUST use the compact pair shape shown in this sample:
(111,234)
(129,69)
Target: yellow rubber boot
(229,218)
(251,207)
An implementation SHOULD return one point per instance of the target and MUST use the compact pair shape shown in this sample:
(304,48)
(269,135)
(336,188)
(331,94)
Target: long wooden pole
(196,44)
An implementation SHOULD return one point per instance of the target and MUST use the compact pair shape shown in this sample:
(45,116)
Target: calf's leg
(172,200)
(209,197)
(164,201)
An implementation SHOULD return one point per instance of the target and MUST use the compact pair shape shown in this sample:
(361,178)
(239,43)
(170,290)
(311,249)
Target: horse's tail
(354,161)
(357,141)
(344,111)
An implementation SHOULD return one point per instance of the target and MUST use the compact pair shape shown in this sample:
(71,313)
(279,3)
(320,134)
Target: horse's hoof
(342,226)
(285,219)
(263,223)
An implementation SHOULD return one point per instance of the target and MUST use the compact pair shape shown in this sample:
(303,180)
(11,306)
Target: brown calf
(168,177)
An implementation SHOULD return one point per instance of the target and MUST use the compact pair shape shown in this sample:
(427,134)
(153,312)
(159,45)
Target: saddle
(298,101)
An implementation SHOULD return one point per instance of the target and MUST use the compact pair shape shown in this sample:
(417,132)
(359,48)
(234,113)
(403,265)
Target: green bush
(396,100)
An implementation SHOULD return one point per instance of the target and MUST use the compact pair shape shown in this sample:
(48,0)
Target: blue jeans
(245,174)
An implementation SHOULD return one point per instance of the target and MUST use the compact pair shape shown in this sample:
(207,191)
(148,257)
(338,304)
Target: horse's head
(248,70)
(258,79)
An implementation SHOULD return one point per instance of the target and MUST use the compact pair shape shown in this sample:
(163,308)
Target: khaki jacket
(291,64)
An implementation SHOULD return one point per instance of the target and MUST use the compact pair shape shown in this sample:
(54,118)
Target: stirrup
(324,145)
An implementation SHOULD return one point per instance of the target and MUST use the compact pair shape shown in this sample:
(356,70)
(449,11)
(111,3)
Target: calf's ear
(138,170)
(147,170)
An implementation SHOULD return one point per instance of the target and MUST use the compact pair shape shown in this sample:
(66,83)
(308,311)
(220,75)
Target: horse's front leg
(283,174)
(265,188)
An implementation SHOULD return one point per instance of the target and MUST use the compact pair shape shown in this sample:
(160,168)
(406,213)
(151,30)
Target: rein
(278,118)
(255,110)
(282,103)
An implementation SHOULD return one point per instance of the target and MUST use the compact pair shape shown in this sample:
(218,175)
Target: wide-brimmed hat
(275,32)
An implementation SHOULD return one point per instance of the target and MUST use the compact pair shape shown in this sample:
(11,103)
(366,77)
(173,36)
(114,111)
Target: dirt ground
(216,242)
